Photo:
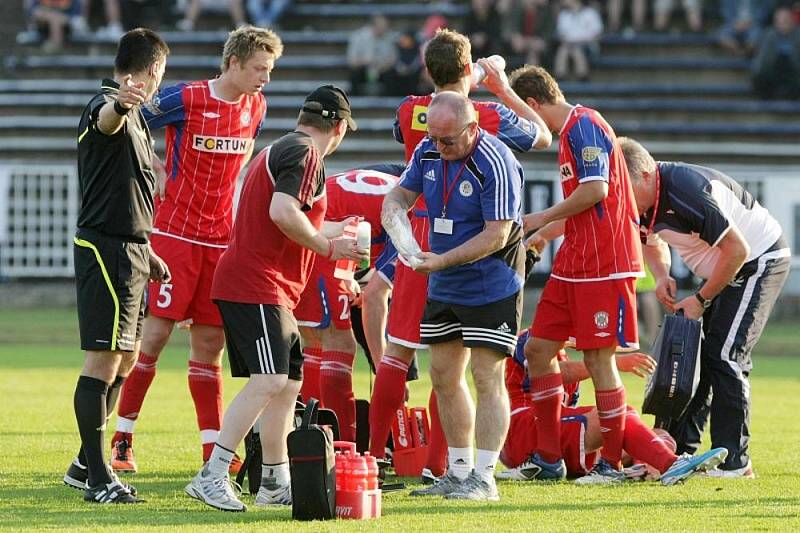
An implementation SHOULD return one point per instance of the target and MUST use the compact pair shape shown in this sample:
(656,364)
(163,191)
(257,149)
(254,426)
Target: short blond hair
(637,158)
(244,42)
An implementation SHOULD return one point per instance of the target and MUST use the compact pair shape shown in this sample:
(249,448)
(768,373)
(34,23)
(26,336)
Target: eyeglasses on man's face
(451,140)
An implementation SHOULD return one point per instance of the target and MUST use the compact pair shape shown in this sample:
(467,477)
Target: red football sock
(548,393)
(611,411)
(387,397)
(644,445)
(312,357)
(132,396)
(336,390)
(437,442)
(205,384)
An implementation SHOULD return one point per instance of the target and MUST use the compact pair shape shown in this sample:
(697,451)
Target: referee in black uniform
(113,260)
(737,247)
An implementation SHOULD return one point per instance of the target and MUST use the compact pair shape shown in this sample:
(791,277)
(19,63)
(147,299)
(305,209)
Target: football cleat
(447,484)
(476,489)
(216,492)
(636,472)
(428,478)
(600,474)
(270,493)
(114,492)
(746,472)
(535,469)
(77,475)
(122,457)
(685,466)
(236,465)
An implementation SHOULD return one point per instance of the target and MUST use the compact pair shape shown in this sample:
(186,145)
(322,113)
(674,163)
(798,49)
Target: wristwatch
(705,302)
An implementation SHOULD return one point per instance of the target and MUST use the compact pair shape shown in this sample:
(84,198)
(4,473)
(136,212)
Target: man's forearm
(109,121)
(573,371)
(295,225)
(733,254)
(518,106)
(658,259)
(584,197)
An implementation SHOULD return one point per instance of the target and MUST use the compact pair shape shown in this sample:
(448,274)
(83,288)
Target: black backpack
(313,468)
(677,352)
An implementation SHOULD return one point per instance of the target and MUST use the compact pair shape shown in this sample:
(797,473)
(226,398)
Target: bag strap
(310,414)
(679,312)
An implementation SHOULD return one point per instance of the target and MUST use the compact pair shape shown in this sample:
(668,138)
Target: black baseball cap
(331,102)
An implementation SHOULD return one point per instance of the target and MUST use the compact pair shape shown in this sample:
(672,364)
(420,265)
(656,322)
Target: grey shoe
(447,484)
(216,492)
(271,493)
(476,489)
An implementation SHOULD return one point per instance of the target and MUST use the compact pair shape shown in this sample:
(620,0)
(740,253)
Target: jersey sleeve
(397,131)
(501,195)
(519,134)
(166,107)
(296,172)
(591,147)
(411,178)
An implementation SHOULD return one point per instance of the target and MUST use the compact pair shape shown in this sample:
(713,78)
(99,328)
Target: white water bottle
(479,74)
(345,268)
(364,238)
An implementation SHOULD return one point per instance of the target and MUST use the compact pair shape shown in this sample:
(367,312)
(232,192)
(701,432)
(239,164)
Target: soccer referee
(113,260)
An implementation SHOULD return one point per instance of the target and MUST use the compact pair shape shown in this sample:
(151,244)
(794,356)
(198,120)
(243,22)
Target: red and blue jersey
(208,142)
(601,242)
(518,382)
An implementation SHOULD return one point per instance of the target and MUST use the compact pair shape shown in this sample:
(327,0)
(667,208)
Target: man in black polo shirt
(113,260)
(737,247)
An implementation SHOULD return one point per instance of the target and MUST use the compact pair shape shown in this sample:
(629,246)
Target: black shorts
(261,339)
(492,325)
(111,280)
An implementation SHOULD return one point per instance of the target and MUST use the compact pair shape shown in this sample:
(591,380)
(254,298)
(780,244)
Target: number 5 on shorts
(164,295)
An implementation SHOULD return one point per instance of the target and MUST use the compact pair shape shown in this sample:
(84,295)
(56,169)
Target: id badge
(443,226)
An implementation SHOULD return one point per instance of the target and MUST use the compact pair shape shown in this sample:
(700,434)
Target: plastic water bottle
(479,74)
(345,268)
(340,467)
(372,471)
(358,481)
(364,238)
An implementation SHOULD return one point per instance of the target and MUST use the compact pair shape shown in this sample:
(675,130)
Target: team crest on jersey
(246,118)
(465,189)
(590,153)
(221,145)
(601,319)
(566,171)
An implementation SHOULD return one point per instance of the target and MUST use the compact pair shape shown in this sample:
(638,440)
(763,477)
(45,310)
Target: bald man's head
(452,124)
(451,103)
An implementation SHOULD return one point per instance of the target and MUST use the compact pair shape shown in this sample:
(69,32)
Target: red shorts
(521,439)
(409,295)
(188,293)
(591,314)
(325,300)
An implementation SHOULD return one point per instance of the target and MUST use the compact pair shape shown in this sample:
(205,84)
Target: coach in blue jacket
(733,243)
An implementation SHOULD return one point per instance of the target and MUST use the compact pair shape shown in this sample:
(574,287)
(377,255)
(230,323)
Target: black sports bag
(313,468)
(677,352)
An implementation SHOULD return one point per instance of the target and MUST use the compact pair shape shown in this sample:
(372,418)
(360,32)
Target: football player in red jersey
(590,296)
(323,313)
(449,63)
(211,126)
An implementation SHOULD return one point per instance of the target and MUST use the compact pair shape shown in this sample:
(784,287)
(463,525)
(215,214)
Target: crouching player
(581,436)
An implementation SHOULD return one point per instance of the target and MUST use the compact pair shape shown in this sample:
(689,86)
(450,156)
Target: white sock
(485,463)
(279,473)
(124,425)
(219,462)
(459,461)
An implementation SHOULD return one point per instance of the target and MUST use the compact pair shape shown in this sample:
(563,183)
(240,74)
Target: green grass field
(40,360)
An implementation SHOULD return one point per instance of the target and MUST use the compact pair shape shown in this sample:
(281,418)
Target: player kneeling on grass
(581,435)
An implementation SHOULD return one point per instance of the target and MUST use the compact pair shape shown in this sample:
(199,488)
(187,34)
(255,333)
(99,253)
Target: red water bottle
(372,471)
(347,481)
(340,461)
(358,481)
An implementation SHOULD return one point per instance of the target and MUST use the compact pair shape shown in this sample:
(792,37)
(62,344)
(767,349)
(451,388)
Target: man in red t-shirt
(258,283)
(590,297)
(448,58)
(211,127)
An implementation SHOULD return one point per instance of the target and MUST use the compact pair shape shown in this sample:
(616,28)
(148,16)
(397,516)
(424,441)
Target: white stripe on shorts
(269,362)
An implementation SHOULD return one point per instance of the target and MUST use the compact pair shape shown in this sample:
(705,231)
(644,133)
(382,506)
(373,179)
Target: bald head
(451,105)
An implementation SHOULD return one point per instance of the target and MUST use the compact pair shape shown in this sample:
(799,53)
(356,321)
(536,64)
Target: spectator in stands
(483,27)
(776,67)
(195,7)
(578,28)
(403,78)
(266,13)
(615,9)
(370,55)
(52,19)
(112,12)
(740,29)
(528,29)
(663,12)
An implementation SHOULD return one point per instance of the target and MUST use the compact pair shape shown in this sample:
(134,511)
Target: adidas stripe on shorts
(493,325)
